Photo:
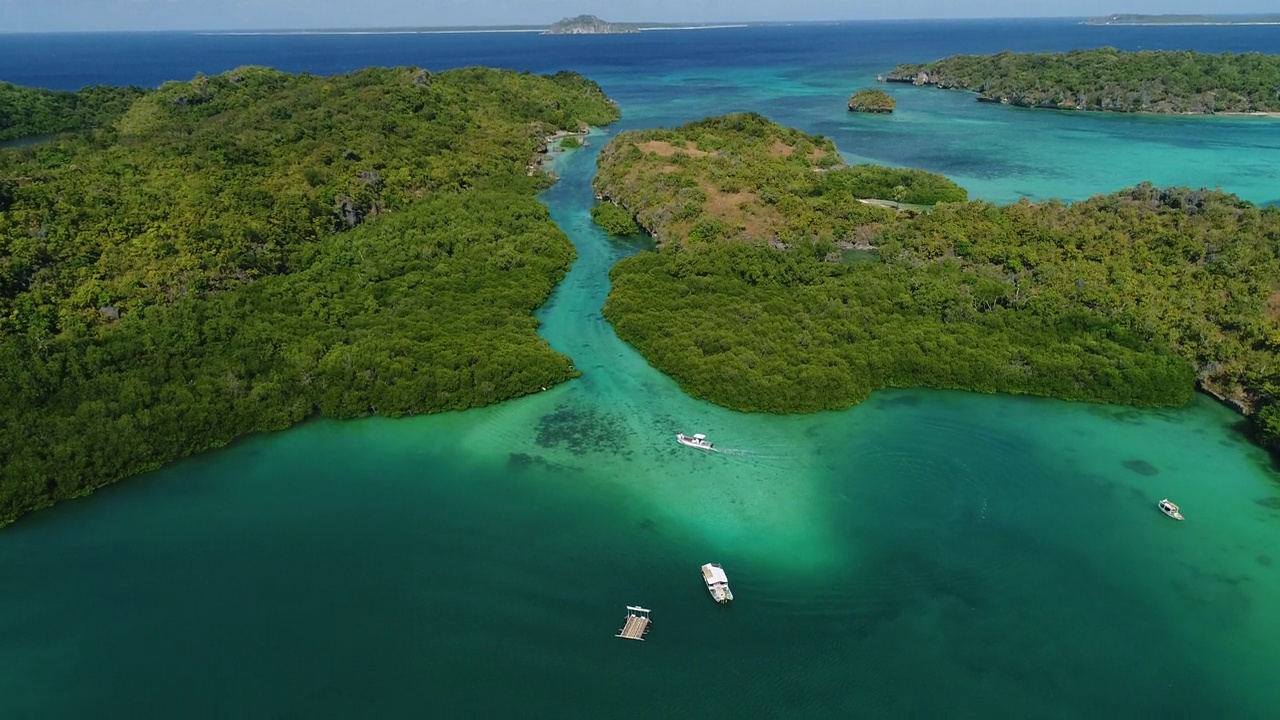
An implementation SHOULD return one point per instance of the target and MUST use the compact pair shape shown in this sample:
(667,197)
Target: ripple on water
(922,509)
(940,470)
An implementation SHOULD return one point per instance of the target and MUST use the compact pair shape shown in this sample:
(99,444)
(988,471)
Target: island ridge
(589,25)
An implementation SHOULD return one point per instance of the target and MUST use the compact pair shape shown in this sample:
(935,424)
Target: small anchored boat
(717,582)
(1169,509)
(697,441)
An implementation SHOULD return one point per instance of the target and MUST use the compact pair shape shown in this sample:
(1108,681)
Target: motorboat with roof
(698,441)
(717,582)
(1169,509)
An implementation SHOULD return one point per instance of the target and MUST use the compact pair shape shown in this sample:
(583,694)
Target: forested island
(774,289)
(872,100)
(240,252)
(1175,19)
(1151,81)
(589,25)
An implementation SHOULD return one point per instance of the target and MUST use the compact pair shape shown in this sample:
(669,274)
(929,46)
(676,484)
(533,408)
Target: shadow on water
(1141,467)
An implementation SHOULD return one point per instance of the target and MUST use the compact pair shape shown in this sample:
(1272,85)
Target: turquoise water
(923,554)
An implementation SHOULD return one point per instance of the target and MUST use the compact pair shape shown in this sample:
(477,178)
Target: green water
(923,554)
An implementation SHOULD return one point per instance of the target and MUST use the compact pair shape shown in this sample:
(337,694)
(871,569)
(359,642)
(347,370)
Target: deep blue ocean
(796,74)
(621,63)
(924,554)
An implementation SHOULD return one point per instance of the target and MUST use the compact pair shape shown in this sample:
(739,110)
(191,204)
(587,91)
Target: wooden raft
(636,624)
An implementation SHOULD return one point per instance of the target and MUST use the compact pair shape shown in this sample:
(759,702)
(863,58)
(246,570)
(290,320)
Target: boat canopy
(699,436)
(716,575)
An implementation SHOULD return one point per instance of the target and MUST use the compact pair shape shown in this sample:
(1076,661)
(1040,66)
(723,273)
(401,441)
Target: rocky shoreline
(1060,100)
(542,158)
(871,100)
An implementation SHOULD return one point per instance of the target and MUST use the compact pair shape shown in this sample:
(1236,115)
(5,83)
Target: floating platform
(636,624)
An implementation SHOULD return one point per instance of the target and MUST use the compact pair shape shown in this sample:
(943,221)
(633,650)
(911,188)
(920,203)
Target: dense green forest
(872,100)
(237,253)
(1125,298)
(614,220)
(32,112)
(1157,81)
(742,176)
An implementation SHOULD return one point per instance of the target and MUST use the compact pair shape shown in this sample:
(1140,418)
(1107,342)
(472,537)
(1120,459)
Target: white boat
(1169,509)
(697,441)
(717,582)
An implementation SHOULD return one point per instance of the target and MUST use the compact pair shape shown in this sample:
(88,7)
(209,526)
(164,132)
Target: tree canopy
(872,100)
(1130,298)
(1159,81)
(743,177)
(240,252)
(32,112)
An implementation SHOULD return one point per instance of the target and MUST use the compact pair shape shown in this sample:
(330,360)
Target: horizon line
(521,27)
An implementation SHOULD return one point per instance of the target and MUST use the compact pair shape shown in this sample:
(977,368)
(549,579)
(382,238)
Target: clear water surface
(923,554)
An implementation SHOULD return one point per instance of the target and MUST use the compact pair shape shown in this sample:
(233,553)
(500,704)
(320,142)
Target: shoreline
(543,158)
(1271,114)
(1179,24)
(1258,113)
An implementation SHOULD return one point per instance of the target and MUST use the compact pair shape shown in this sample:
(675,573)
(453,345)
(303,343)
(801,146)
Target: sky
(89,15)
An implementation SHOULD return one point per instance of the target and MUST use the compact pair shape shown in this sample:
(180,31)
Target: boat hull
(717,583)
(694,443)
(1170,509)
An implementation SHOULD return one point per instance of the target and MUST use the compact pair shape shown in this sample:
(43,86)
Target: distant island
(1173,19)
(590,25)
(581,25)
(1107,79)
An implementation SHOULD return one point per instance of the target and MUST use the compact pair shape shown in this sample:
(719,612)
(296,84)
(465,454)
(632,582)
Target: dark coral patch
(1142,467)
(580,429)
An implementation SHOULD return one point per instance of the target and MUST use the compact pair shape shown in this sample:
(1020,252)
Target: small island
(590,25)
(782,284)
(1111,80)
(1175,19)
(872,100)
